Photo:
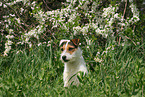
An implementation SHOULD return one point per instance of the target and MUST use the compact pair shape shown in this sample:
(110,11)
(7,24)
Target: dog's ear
(63,41)
(75,42)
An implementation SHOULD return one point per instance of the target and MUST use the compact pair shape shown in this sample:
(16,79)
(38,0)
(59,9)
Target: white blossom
(109,10)
(21,10)
(9,42)
(39,44)
(98,60)
(135,12)
(49,43)
(4,5)
(116,15)
(89,42)
(27,39)
(12,15)
(1,4)
(19,51)
(9,36)
(84,29)
(7,47)
(76,29)
(100,22)
(30,44)
(18,20)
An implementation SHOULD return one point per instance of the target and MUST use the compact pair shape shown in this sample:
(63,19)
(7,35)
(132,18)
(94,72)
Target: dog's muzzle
(64,58)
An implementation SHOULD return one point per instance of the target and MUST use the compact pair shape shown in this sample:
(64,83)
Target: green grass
(38,73)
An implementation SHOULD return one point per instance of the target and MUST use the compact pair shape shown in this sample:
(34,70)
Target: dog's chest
(69,71)
(71,68)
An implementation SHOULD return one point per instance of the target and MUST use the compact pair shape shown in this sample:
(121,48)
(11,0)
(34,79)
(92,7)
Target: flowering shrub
(77,17)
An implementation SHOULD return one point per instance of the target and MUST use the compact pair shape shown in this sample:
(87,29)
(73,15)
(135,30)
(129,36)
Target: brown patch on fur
(75,42)
(70,48)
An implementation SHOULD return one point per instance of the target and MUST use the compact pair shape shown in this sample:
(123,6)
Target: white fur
(75,64)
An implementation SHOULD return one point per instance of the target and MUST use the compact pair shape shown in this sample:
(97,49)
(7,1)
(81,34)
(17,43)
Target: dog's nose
(64,57)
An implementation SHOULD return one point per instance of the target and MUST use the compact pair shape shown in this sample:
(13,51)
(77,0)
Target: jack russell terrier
(73,61)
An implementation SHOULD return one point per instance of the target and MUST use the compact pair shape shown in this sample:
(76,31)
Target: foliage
(112,39)
(32,25)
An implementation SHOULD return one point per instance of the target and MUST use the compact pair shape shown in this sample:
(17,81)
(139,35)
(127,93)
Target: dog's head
(69,49)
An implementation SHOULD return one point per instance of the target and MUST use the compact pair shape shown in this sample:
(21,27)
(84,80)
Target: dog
(73,61)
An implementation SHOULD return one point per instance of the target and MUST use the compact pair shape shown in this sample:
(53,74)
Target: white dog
(73,61)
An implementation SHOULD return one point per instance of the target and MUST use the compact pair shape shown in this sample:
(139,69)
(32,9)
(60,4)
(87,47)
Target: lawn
(38,73)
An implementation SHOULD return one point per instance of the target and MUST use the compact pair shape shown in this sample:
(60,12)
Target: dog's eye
(61,49)
(70,49)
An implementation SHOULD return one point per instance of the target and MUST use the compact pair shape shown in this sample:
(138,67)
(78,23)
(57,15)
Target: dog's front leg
(65,79)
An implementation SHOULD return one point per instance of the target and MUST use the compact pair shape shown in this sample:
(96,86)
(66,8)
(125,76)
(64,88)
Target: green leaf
(41,74)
